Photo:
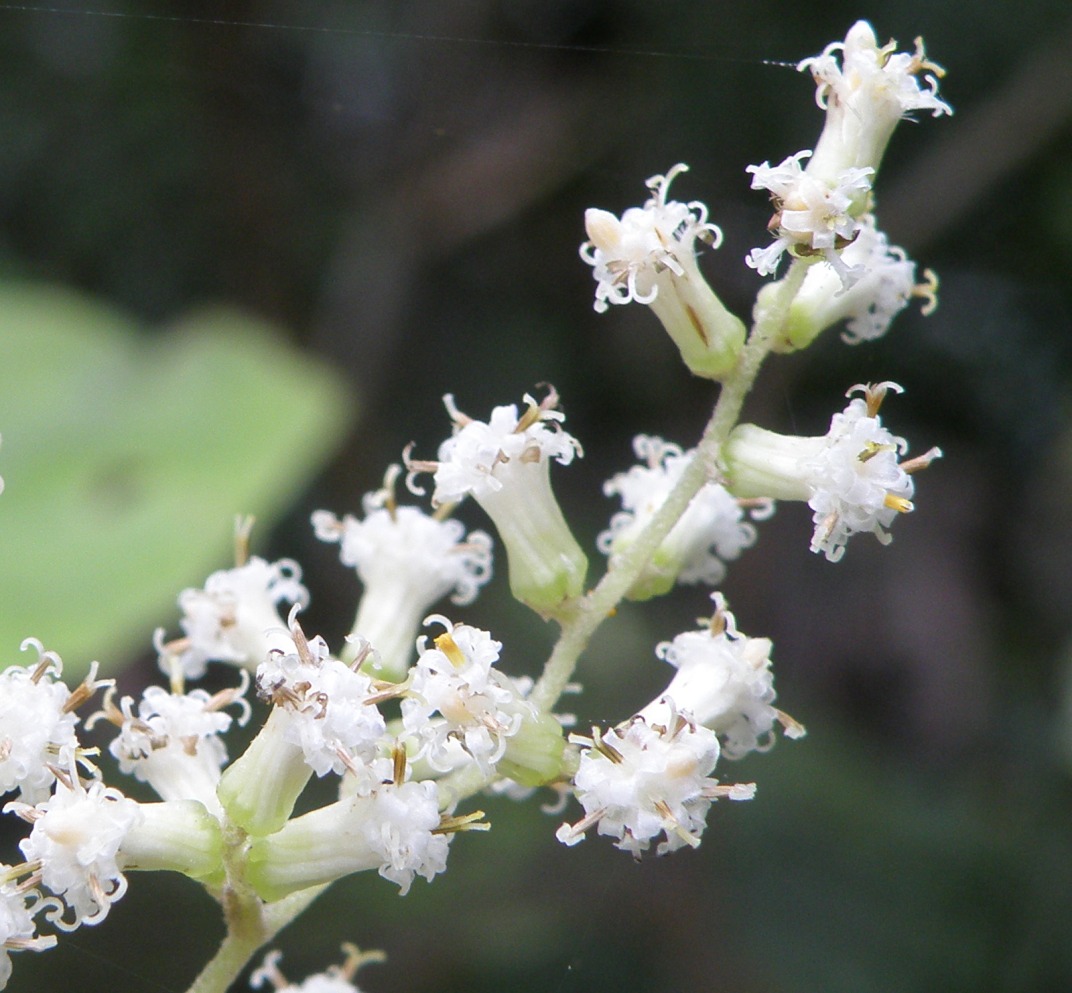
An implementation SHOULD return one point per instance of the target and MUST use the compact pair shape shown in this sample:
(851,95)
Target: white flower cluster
(852,477)
(407,560)
(637,255)
(413,726)
(823,211)
(325,718)
(711,532)
(652,775)
(648,256)
(479,707)
(234,617)
(504,464)
(37,724)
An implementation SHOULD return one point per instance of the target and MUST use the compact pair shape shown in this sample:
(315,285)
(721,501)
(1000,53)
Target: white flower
(396,830)
(635,256)
(77,835)
(711,530)
(852,477)
(18,933)
(37,723)
(646,778)
(724,682)
(407,560)
(481,709)
(235,618)
(330,716)
(337,978)
(869,305)
(648,255)
(866,95)
(174,743)
(813,216)
(324,719)
(504,465)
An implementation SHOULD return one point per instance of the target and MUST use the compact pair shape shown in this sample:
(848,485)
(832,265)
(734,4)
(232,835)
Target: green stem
(251,925)
(624,569)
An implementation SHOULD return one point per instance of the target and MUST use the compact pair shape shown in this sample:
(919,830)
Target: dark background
(401,185)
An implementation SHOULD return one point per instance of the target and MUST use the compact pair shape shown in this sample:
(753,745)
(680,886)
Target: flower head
(813,217)
(724,682)
(868,306)
(866,91)
(454,678)
(396,829)
(235,617)
(648,777)
(504,465)
(77,835)
(853,477)
(407,560)
(37,723)
(648,256)
(174,740)
(330,712)
(711,531)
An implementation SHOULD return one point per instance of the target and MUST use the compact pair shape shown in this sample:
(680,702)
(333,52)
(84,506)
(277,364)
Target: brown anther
(398,759)
(604,748)
(301,644)
(83,692)
(355,959)
(921,461)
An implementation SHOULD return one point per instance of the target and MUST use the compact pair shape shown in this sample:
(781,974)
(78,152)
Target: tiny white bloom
(37,723)
(868,306)
(865,95)
(711,531)
(407,560)
(456,679)
(649,777)
(853,477)
(634,257)
(504,465)
(174,741)
(77,836)
(235,617)
(724,682)
(396,829)
(858,480)
(648,256)
(813,217)
(329,711)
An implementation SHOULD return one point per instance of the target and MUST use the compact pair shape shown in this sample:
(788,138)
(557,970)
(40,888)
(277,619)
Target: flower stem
(624,569)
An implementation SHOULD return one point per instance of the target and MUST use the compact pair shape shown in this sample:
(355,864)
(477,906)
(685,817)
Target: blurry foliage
(401,183)
(126,458)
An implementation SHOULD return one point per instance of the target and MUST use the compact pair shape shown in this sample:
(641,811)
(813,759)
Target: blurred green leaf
(126,457)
